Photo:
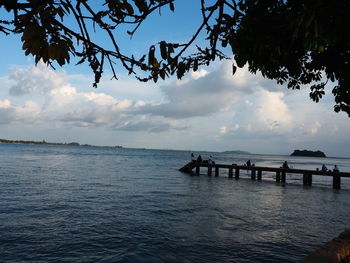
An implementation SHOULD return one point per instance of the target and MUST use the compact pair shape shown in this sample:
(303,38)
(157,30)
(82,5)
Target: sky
(209,110)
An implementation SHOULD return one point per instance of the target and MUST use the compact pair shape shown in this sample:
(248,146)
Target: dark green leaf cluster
(294,42)
(298,42)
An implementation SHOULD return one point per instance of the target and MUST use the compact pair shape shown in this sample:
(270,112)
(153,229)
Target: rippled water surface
(85,204)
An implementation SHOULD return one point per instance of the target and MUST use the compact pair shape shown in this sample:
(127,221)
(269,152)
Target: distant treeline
(308,153)
(52,143)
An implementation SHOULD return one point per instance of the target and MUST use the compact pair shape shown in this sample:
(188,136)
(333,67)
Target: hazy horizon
(172,149)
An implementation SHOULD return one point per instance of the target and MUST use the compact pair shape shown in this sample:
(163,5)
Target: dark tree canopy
(295,42)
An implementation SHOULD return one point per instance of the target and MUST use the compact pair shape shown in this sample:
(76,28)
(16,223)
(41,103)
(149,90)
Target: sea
(100,204)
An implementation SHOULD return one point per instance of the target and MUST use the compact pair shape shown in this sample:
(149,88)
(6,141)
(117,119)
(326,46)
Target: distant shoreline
(53,143)
(43,142)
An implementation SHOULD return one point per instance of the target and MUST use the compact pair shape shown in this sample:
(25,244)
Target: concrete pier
(281,173)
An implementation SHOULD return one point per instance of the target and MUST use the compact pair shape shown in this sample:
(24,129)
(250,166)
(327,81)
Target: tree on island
(308,153)
(294,42)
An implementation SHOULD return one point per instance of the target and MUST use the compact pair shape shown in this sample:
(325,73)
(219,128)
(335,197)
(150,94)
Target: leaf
(60,12)
(170,49)
(141,5)
(129,8)
(156,64)
(163,50)
(37,59)
(162,74)
(26,45)
(143,66)
(240,61)
(173,63)
(81,61)
(53,52)
(151,56)
(155,77)
(9,4)
(172,7)
(181,70)
(234,69)
(195,65)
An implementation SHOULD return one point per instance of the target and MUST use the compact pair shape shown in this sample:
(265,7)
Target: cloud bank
(207,109)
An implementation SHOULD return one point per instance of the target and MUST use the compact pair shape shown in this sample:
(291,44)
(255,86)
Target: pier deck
(256,172)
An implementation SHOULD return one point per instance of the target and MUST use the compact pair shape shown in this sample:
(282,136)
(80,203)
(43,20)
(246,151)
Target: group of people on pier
(249,163)
(200,159)
(325,169)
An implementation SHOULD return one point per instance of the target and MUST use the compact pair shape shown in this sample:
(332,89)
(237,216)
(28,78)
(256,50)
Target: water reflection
(86,204)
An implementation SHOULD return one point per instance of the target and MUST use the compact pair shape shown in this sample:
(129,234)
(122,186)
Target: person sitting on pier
(193,159)
(285,165)
(335,169)
(199,159)
(324,168)
(249,163)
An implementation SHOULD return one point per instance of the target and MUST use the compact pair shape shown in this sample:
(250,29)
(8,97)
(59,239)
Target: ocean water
(87,204)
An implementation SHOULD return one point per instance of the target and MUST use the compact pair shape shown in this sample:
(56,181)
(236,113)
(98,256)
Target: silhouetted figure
(335,169)
(249,163)
(193,159)
(285,165)
(199,159)
(324,168)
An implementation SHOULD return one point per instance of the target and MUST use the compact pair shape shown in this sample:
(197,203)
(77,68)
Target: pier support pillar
(237,174)
(210,170)
(283,178)
(307,179)
(253,174)
(304,179)
(278,177)
(336,181)
(216,171)
(259,175)
(198,170)
(230,172)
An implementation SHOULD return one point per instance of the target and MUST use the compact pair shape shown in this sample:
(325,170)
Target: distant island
(43,142)
(308,153)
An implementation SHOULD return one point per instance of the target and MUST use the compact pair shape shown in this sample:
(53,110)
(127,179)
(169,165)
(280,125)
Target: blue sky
(207,110)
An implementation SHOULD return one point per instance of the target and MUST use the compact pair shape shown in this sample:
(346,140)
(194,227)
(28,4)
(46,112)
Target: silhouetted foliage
(295,42)
(308,153)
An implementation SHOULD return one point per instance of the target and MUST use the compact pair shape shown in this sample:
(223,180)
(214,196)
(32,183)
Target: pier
(257,171)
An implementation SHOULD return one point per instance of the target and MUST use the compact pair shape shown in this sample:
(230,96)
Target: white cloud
(315,127)
(38,79)
(199,74)
(148,126)
(202,94)
(248,102)
(223,130)
(64,105)
(273,111)
(5,104)
(27,113)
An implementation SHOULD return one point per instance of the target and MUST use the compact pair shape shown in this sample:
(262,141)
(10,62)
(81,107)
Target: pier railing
(256,172)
